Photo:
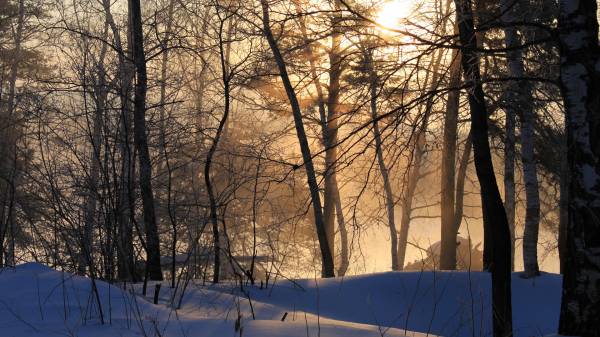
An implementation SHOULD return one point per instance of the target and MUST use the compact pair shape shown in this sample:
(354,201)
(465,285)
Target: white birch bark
(580,82)
(520,102)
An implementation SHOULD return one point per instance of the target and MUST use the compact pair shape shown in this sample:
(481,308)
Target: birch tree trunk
(509,170)
(509,180)
(326,254)
(153,267)
(532,210)
(100,96)
(520,102)
(580,82)
(563,207)
(493,209)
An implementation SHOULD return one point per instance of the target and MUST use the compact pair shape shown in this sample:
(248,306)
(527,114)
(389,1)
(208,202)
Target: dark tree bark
(226,78)
(331,186)
(153,268)
(326,254)
(580,82)
(447,198)
(124,216)
(164,167)
(410,186)
(493,209)
(387,186)
(344,250)
(8,148)
(431,83)
(460,182)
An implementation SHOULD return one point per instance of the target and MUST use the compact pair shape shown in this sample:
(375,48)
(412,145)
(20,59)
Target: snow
(38,301)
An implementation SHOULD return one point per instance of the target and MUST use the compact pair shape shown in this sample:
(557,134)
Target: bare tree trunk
(125,253)
(128,169)
(431,82)
(8,148)
(520,102)
(153,267)
(89,217)
(163,76)
(251,271)
(532,210)
(330,137)
(493,209)
(387,186)
(332,189)
(165,164)
(580,82)
(86,254)
(509,146)
(410,186)
(9,127)
(460,182)
(125,258)
(449,229)
(226,78)
(100,96)
(509,180)
(563,220)
(326,254)
(344,253)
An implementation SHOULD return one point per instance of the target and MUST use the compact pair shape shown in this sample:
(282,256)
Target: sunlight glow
(393,12)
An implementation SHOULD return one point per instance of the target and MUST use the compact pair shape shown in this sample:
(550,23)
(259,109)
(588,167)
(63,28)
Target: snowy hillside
(38,301)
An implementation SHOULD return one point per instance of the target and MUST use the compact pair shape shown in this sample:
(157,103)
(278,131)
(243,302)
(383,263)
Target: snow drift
(38,301)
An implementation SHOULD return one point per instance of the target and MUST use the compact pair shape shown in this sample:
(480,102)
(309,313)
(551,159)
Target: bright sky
(393,12)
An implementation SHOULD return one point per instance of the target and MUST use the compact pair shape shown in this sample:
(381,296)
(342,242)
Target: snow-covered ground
(38,301)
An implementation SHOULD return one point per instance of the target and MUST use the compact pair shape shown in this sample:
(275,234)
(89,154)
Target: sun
(392,12)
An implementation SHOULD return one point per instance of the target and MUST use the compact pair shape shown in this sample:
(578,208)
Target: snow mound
(438,303)
(36,300)
(33,267)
